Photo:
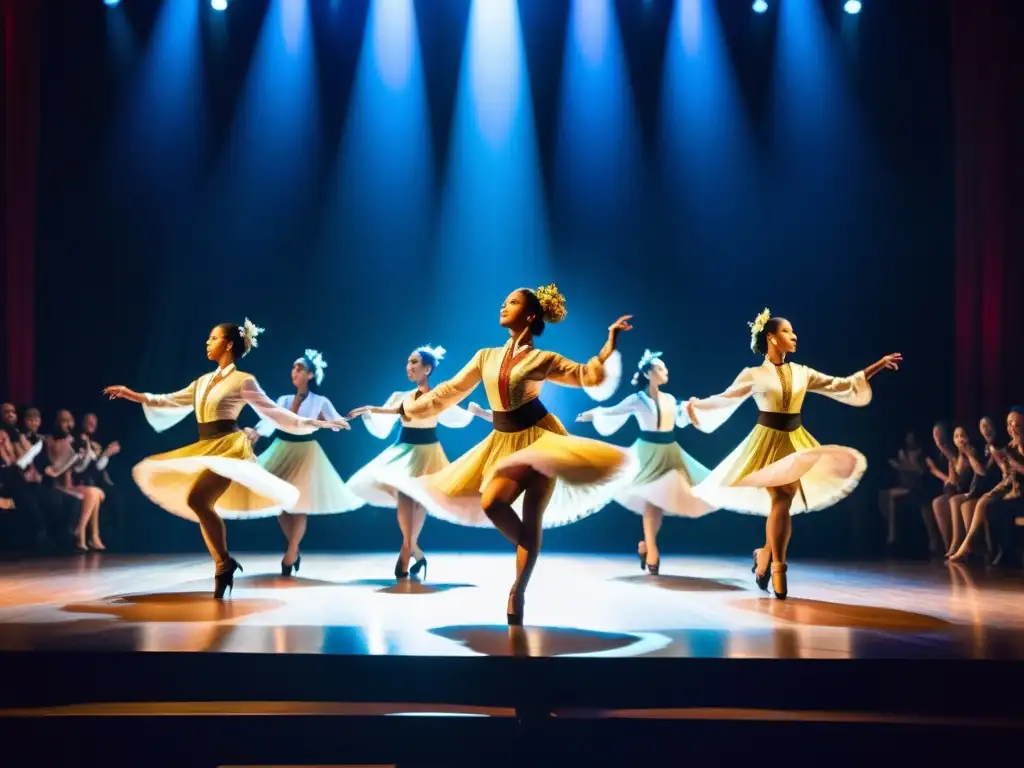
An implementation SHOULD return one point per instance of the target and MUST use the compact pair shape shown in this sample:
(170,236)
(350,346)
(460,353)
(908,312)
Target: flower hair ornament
(318,362)
(646,361)
(249,333)
(437,353)
(757,326)
(552,302)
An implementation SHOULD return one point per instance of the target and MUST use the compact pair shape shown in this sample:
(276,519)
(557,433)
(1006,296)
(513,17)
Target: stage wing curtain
(988,92)
(21,134)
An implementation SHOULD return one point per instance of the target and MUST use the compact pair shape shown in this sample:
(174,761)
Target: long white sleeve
(30,455)
(851,390)
(380,424)
(682,417)
(455,417)
(282,418)
(164,411)
(612,378)
(328,411)
(709,414)
(266,427)
(608,421)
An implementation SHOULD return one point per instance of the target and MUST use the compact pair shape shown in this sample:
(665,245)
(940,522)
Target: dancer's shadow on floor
(174,607)
(538,642)
(822,614)
(274,581)
(405,586)
(679,583)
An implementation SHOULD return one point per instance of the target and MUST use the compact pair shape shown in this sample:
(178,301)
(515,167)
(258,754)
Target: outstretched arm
(161,411)
(709,414)
(600,376)
(380,420)
(609,420)
(445,395)
(282,418)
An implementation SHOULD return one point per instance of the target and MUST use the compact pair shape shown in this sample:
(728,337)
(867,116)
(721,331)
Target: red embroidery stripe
(507,362)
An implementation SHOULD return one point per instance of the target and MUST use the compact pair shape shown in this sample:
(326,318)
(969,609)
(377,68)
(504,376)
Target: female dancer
(219,473)
(416,452)
(779,458)
(529,454)
(1007,494)
(300,461)
(666,474)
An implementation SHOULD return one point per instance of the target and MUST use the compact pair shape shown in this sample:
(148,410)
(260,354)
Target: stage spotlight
(760,6)
(219,5)
(852,6)
(111,3)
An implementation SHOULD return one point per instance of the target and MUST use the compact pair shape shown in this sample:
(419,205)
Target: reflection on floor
(578,606)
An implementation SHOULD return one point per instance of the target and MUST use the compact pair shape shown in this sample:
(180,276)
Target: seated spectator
(65,454)
(909,466)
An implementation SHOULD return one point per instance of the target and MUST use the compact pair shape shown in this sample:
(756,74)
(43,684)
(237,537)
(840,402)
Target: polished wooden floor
(578,606)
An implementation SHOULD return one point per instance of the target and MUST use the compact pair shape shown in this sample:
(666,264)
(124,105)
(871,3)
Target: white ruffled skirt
(375,482)
(306,466)
(665,478)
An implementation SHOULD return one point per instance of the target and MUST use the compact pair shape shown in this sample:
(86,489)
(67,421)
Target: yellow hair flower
(552,302)
(757,326)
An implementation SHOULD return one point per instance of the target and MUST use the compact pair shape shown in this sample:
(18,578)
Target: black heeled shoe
(779,585)
(419,565)
(286,570)
(643,560)
(225,581)
(399,573)
(761,579)
(654,568)
(516,608)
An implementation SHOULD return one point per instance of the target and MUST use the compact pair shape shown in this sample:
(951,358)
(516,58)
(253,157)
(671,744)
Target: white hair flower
(249,333)
(318,362)
(758,325)
(437,352)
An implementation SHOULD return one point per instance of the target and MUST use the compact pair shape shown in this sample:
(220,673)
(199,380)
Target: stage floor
(578,606)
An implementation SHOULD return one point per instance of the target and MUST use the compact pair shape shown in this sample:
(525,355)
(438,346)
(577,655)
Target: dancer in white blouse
(219,474)
(779,458)
(299,459)
(666,474)
(416,452)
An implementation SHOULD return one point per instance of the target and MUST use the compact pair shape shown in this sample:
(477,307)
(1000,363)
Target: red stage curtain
(21,139)
(987,105)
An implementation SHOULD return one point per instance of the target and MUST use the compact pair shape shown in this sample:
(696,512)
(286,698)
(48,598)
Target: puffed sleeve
(164,411)
(851,390)
(445,395)
(599,380)
(380,424)
(709,414)
(281,418)
(610,420)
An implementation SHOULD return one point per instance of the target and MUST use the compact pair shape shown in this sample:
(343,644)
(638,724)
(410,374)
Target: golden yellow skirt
(371,482)
(167,479)
(769,458)
(665,478)
(587,473)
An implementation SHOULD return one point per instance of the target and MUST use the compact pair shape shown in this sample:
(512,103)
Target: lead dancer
(300,461)
(218,474)
(779,458)
(529,456)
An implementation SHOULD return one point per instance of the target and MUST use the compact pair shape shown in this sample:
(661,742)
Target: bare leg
(978,519)
(652,520)
(405,524)
(204,494)
(779,528)
(538,491)
(89,507)
(94,522)
(497,504)
(419,517)
(940,511)
(956,533)
(295,536)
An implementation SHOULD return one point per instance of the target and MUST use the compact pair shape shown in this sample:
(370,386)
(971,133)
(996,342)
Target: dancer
(529,454)
(666,474)
(218,474)
(300,461)
(1006,495)
(779,458)
(415,453)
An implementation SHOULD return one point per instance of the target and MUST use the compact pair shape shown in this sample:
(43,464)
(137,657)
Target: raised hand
(586,417)
(892,361)
(357,412)
(622,324)
(334,424)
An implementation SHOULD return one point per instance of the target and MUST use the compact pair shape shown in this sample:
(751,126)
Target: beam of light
(381,206)
(111,3)
(598,151)
(219,5)
(852,6)
(270,159)
(760,6)
(493,224)
(705,136)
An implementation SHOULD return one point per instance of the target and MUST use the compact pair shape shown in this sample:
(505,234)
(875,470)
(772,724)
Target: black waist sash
(523,417)
(220,428)
(783,422)
(417,435)
(661,438)
(288,437)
